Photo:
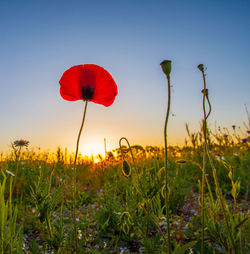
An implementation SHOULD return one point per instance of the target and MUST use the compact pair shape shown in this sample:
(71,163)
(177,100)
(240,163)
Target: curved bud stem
(123,157)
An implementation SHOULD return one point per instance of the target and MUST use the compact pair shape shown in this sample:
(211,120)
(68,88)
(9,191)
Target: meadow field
(165,83)
(121,198)
(134,199)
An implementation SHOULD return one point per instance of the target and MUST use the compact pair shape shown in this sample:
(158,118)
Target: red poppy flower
(88,82)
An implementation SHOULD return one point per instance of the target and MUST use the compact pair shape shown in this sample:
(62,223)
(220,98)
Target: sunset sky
(41,39)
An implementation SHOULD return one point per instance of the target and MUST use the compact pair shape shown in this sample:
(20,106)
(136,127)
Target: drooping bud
(87,93)
(201,67)
(181,161)
(206,92)
(126,170)
(166,66)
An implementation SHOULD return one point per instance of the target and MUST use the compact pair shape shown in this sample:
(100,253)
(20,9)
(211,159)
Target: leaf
(182,249)
(241,223)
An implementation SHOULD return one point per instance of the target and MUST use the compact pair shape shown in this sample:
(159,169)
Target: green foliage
(47,202)
(11,235)
(153,245)
(182,249)
(115,210)
(238,223)
(86,198)
(108,217)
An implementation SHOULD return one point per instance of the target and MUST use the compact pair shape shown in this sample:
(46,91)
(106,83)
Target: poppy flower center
(87,93)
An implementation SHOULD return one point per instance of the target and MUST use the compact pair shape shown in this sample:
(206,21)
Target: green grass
(125,213)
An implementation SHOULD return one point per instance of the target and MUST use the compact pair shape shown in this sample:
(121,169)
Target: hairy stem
(74,179)
(166,165)
(206,148)
(204,164)
(17,167)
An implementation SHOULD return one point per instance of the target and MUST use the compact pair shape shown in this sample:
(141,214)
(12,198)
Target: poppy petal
(67,97)
(70,89)
(88,75)
(106,88)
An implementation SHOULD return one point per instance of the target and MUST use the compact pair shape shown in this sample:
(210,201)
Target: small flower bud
(201,67)
(206,92)
(166,66)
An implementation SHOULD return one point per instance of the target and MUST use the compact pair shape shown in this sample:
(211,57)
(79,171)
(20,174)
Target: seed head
(166,66)
(201,67)
(21,143)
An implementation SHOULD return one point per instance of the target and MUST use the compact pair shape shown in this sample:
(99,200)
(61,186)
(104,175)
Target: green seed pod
(181,161)
(126,170)
(166,66)
(201,67)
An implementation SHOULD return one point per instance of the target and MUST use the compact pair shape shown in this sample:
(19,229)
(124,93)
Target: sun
(96,160)
(92,149)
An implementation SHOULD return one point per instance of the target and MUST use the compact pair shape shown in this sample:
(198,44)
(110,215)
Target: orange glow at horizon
(92,149)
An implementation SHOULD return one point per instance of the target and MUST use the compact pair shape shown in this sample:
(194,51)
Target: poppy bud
(126,169)
(181,161)
(166,66)
(87,93)
(201,67)
(206,92)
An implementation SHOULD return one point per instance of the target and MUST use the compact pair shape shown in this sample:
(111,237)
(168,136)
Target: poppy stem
(218,190)
(204,165)
(74,179)
(166,165)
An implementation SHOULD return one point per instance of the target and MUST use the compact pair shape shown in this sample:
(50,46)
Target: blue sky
(41,39)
